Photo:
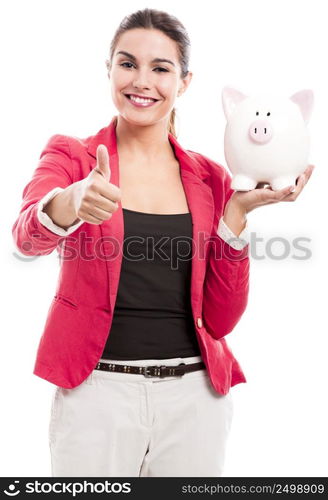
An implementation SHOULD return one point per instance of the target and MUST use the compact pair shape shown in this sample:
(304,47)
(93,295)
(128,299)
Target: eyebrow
(156,60)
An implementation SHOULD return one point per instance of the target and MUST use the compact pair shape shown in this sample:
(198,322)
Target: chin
(135,119)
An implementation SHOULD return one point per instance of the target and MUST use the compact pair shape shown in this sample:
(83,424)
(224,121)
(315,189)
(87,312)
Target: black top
(152,316)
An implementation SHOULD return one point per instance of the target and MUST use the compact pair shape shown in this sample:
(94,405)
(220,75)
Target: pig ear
(230,98)
(304,99)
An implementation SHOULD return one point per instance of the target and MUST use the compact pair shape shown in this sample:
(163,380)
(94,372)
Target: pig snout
(260,131)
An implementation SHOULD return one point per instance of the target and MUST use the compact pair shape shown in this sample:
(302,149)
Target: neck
(149,141)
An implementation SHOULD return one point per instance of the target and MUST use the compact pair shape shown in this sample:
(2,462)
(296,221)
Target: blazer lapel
(201,205)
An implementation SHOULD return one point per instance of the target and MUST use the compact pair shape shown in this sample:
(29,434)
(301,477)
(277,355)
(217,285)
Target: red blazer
(81,312)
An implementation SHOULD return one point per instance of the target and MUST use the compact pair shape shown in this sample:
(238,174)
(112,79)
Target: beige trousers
(127,425)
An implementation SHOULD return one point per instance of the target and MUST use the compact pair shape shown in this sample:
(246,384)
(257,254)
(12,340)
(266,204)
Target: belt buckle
(158,371)
(146,372)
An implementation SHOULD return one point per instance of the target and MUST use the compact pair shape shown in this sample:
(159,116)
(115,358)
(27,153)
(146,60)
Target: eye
(162,69)
(122,64)
(257,113)
(268,114)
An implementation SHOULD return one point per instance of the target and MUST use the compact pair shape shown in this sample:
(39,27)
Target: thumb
(103,161)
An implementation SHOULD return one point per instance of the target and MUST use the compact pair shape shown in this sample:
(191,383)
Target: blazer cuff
(236,242)
(47,221)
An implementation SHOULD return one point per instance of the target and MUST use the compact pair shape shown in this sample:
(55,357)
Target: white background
(54,80)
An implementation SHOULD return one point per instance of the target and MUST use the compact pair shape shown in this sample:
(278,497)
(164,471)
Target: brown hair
(170,26)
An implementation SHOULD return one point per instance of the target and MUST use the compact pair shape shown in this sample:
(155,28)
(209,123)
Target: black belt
(152,371)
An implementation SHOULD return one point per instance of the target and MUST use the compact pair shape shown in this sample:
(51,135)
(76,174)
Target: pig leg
(242,183)
(282,182)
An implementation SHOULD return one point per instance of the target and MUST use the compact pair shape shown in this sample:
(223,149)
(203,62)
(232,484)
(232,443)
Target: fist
(95,198)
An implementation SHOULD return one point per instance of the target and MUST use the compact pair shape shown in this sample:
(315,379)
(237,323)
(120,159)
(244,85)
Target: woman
(135,345)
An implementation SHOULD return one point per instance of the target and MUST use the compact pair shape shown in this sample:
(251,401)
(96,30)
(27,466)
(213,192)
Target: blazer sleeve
(226,284)
(48,222)
(54,169)
(237,242)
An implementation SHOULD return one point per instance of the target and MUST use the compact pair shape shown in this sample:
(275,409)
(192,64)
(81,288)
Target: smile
(140,102)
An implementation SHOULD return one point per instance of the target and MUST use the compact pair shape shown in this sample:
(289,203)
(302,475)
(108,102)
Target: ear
(108,66)
(304,99)
(185,83)
(230,98)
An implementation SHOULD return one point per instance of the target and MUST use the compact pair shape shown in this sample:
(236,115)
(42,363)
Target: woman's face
(136,71)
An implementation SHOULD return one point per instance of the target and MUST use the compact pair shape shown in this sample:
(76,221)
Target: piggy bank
(266,138)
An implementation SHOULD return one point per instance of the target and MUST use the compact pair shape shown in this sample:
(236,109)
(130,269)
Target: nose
(142,80)
(260,131)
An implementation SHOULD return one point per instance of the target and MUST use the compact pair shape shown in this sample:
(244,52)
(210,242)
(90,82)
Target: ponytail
(171,124)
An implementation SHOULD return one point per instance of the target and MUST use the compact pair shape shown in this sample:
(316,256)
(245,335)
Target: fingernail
(292,189)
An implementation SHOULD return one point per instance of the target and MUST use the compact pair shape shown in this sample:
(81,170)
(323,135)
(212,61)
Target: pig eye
(268,114)
(257,113)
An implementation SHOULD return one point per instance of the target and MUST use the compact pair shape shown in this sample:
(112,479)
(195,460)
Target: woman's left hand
(243,202)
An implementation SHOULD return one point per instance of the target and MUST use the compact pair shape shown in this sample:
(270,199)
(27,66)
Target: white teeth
(141,100)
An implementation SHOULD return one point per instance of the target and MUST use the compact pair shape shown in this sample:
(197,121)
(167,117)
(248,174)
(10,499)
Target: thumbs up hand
(95,199)
(103,162)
